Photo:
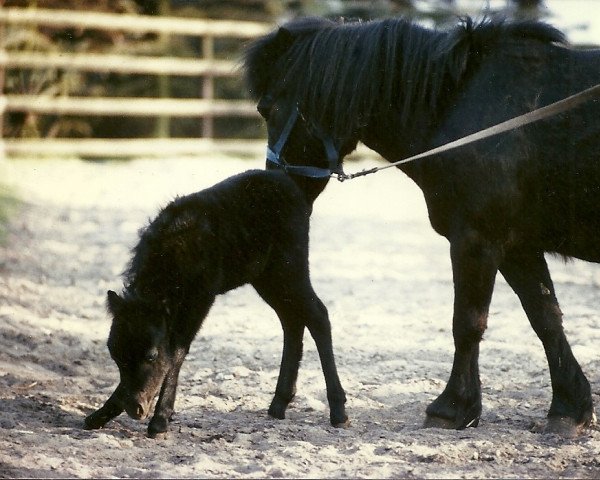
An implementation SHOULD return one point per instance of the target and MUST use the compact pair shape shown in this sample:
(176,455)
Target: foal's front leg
(474,268)
(111,409)
(166,400)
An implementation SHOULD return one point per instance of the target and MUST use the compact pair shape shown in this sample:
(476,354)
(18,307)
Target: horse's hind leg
(571,407)
(297,305)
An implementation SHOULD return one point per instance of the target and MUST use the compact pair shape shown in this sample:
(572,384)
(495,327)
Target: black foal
(251,228)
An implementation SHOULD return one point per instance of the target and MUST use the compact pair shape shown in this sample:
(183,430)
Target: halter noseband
(333,156)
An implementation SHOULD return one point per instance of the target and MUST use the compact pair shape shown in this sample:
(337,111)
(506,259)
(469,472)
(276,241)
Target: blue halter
(274,153)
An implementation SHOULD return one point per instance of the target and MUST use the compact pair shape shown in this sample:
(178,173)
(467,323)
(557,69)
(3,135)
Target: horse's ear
(281,40)
(115,302)
(262,55)
(284,37)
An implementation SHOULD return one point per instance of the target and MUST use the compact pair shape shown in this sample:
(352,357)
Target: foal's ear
(115,302)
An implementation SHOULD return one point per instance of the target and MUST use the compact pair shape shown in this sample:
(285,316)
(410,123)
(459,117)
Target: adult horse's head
(306,132)
(322,86)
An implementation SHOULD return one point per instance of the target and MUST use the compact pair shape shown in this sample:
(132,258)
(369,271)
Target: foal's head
(139,344)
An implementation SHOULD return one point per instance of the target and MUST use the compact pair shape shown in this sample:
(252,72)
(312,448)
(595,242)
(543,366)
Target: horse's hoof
(566,427)
(439,422)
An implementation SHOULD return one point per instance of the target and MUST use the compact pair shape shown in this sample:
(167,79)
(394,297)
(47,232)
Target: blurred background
(75,72)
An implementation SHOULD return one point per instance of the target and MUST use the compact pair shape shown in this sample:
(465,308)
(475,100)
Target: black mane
(344,73)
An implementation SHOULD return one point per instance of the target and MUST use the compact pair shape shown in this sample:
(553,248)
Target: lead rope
(516,122)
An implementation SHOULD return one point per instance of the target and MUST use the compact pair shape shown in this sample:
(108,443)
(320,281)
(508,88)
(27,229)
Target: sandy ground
(377,265)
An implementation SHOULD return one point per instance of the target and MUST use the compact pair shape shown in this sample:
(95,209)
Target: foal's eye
(152,356)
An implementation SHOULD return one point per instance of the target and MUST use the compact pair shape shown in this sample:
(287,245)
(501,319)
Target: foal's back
(227,235)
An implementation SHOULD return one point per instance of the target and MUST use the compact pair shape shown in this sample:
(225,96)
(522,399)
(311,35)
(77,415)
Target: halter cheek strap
(274,153)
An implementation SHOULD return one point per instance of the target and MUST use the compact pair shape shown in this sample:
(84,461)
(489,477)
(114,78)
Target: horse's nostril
(139,411)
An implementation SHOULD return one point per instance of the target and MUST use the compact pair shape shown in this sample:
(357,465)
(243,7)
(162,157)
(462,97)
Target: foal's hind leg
(285,391)
(571,407)
(297,305)
(320,329)
(293,332)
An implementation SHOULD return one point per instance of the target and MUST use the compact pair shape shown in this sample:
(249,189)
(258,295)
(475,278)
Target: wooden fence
(207,67)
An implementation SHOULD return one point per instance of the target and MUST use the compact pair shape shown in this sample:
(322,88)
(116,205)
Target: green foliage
(8,206)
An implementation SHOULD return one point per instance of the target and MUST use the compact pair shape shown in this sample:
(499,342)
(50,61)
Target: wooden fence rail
(132,147)
(132,23)
(207,68)
(94,62)
(133,106)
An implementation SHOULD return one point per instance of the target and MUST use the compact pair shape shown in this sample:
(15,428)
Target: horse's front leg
(474,268)
(166,400)
(571,409)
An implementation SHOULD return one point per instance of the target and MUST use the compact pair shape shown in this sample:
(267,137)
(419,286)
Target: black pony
(501,203)
(251,228)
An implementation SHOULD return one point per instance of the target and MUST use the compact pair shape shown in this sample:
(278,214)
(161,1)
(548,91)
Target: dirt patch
(380,269)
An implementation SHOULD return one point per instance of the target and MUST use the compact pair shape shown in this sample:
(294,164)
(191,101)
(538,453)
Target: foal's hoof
(279,406)
(277,412)
(432,421)
(94,421)
(91,424)
(158,427)
(341,424)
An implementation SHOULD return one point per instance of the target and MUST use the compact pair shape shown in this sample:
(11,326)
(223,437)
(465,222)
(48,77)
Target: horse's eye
(152,356)
(264,106)
(264,111)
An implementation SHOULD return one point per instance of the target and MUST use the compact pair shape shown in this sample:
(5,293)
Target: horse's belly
(580,241)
